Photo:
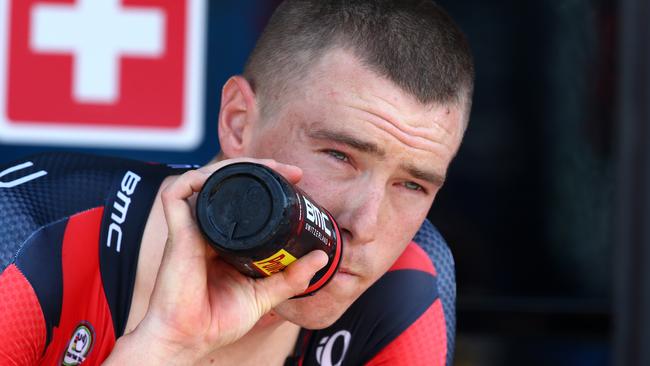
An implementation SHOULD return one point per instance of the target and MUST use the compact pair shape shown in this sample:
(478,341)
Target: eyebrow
(351,141)
(434,178)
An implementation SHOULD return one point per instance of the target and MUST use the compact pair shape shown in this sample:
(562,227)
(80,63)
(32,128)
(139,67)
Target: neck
(270,342)
(152,246)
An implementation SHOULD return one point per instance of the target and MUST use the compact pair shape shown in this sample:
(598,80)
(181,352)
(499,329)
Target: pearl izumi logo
(80,345)
(331,350)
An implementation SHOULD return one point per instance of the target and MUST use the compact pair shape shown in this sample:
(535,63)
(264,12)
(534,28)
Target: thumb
(292,281)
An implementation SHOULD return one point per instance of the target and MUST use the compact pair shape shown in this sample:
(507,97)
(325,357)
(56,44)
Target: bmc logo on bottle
(316,216)
(102,73)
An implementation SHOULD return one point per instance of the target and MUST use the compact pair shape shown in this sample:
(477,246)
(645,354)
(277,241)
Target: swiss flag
(123,73)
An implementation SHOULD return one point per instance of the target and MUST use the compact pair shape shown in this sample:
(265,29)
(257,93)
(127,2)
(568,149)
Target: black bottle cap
(244,207)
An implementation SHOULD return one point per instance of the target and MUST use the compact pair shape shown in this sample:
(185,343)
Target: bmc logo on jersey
(121,209)
(120,73)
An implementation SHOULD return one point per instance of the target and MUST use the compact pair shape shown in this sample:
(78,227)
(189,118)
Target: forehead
(341,86)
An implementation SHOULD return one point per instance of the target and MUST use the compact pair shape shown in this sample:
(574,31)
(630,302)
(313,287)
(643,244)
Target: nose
(360,214)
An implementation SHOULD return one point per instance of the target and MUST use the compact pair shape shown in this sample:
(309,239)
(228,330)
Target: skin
(368,152)
(372,155)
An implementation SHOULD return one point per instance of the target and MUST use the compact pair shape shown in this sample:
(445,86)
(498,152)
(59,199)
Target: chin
(313,312)
(323,308)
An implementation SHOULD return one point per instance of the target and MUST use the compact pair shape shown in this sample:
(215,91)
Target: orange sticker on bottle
(275,263)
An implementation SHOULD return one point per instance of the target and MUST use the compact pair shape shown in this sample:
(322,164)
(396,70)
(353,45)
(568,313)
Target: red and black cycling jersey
(70,233)
(398,321)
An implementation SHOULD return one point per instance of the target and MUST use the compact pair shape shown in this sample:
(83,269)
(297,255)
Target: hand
(199,302)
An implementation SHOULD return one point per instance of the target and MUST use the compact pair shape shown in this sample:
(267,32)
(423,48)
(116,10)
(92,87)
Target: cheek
(274,139)
(395,231)
(319,184)
(286,150)
(264,149)
(389,246)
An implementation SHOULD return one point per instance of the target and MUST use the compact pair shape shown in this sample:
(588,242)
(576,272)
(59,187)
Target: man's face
(372,155)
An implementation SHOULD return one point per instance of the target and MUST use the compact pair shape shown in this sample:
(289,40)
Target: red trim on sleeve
(416,258)
(22,324)
(84,301)
(423,343)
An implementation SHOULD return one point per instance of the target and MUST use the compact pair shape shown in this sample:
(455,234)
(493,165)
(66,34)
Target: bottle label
(275,263)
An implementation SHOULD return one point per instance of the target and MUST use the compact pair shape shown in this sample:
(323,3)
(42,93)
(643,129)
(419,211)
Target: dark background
(543,207)
(528,207)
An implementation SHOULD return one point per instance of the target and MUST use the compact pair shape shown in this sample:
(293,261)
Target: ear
(237,117)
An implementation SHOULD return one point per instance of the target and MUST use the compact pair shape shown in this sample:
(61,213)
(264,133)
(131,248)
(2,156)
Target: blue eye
(413,186)
(338,155)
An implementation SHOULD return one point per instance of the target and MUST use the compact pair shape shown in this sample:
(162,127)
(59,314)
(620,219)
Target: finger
(211,168)
(291,282)
(174,198)
(290,172)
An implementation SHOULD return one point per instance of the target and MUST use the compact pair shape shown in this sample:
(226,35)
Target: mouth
(346,271)
(345,281)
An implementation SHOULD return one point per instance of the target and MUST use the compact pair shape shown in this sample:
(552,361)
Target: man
(363,105)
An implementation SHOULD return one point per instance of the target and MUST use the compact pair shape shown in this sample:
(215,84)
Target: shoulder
(400,297)
(406,318)
(413,328)
(404,292)
(429,340)
(398,301)
(43,189)
(71,229)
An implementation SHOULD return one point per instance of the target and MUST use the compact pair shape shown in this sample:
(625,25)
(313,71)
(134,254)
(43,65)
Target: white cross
(98,33)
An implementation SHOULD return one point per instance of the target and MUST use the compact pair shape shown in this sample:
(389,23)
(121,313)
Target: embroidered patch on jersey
(330,351)
(79,345)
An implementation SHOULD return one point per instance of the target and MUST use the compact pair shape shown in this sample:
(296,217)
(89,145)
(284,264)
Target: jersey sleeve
(399,320)
(22,323)
(422,343)
(70,233)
